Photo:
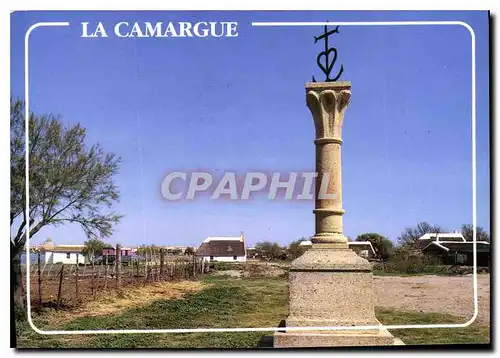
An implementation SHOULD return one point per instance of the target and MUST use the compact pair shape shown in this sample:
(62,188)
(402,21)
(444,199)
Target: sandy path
(444,294)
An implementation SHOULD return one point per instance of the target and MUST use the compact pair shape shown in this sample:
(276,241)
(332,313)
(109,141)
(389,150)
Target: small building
(125,251)
(66,254)
(454,249)
(223,249)
(108,255)
(362,248)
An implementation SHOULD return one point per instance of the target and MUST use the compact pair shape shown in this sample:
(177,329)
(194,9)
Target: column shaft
(328,211)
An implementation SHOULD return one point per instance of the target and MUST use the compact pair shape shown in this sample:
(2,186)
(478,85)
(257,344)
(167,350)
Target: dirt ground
(442,294)
(89,289)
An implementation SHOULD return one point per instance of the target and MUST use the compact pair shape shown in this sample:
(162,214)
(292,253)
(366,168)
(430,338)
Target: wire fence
(60,285)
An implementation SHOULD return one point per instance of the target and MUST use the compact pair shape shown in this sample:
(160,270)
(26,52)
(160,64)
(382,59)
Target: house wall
(124,252)
(226,258)
(55,257)
(467,259)
(108,252)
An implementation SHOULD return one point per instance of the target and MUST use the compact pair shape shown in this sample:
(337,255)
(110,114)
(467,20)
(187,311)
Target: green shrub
(225,266)
(405,263)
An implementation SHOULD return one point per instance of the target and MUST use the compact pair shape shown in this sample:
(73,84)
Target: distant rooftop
(450,236)
(224,238)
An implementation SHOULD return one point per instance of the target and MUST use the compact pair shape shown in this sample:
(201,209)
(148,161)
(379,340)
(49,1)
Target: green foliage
(411,263)
(148,250)
(93,248)
(69,182)
(225,266)
(409,237)
(481,233)
(270,250)
(294,250)
(382,246)
(189,251)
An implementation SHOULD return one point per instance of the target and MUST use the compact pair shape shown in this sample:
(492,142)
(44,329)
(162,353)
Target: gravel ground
(443,294)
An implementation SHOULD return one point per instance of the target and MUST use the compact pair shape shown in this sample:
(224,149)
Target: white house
(453,249)
(223,249)
(66,254)
(443,237)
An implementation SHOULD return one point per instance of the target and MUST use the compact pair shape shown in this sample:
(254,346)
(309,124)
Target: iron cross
(327,68)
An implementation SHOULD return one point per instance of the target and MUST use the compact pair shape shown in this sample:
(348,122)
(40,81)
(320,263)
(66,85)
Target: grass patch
(223,303)
(473,334)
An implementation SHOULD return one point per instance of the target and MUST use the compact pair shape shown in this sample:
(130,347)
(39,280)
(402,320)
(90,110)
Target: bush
(411,264)
(226,266)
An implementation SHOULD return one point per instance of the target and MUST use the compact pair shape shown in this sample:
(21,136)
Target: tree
(69,183)
(382,246)
(269,250)
(189,251)
(93,247)
(148,251)
(409,237)
(294,250)
(481,233)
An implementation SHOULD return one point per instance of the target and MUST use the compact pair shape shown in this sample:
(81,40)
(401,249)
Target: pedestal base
(334,339)
(331,287)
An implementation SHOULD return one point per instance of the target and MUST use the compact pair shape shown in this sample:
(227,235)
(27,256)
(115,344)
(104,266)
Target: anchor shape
(327,68)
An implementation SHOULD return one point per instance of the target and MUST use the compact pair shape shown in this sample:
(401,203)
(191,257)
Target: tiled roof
(68,248)
(222,248)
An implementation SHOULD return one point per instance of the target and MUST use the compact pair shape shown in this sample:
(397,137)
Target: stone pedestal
(330,285)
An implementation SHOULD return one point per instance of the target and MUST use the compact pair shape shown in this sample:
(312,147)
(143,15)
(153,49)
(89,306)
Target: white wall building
(66,254)
(223,249)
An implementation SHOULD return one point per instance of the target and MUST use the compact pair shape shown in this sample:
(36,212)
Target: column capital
(328,102)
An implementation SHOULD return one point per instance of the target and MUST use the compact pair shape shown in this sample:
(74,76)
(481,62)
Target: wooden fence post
(147,273)
(118,262)
(97,281)
(151,266)
(106,274)
(162,263)
(93,274)
(137,263)
(157,266)
(194,266)
(76,277)
(39,282)
(151,259)
(60,286)
(146,265)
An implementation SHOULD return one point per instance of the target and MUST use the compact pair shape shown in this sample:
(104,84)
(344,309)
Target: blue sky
(238,104)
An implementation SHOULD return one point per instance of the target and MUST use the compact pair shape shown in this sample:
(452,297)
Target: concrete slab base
(334,339)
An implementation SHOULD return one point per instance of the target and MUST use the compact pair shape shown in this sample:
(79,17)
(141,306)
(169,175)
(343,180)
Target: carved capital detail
(328,107)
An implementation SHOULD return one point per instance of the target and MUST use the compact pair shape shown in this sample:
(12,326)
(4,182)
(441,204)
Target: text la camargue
(162,29)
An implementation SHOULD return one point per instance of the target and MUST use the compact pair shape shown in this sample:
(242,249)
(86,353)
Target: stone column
(330,285)
(328,103)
